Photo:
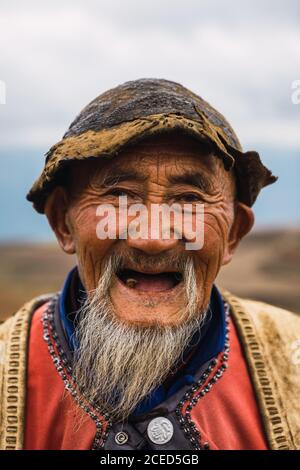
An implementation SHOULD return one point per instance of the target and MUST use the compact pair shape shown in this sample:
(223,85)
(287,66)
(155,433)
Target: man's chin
(146,308)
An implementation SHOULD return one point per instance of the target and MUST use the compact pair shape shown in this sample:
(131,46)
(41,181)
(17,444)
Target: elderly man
(140,349)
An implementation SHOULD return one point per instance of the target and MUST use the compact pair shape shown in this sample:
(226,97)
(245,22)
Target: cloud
(241,57)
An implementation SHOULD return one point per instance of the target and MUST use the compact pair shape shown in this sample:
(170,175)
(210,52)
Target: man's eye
(119,192)
(189,197)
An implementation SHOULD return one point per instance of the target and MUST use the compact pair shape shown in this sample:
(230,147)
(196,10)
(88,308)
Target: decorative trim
(14,380)
(261,373)
(199,389)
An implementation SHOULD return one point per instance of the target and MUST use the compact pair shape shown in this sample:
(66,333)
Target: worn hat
(140,108)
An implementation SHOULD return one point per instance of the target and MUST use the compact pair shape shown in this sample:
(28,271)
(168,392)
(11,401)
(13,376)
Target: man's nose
(152,246)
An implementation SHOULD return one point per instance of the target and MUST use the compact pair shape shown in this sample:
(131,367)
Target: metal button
(121,438)
(160,430)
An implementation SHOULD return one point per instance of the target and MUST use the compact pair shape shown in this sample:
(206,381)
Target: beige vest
(270,338)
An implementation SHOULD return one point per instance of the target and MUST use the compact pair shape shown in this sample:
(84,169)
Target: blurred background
(242,57)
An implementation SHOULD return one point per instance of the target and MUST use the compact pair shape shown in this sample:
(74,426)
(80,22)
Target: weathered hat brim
(251,174)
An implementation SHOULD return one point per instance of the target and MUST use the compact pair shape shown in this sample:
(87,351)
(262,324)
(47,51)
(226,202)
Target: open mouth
(146,282)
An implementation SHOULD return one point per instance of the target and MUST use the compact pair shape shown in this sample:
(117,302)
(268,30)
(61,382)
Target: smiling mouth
(147,282)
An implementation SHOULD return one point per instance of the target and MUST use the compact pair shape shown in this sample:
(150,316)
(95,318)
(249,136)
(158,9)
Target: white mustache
(142,262)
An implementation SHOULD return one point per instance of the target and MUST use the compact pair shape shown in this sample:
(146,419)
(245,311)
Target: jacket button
(160,430)
(121,438)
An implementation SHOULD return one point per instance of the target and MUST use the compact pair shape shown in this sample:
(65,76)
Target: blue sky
(242,57)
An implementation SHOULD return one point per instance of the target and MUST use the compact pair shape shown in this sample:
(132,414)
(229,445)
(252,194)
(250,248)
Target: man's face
(147,296)
(149,288)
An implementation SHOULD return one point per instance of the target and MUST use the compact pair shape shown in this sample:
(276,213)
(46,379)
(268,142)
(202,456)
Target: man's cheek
(85,226)
(213,245)
(90,248)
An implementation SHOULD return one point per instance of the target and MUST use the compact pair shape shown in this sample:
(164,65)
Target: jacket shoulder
(270,337)
(264,314)
(26,309)
(14,333)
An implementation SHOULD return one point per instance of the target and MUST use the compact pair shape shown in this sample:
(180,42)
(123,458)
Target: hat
(141,108)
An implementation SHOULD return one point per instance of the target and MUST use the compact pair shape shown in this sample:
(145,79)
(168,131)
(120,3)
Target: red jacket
(223,415)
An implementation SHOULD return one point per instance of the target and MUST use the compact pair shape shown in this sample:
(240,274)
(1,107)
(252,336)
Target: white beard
(117,364)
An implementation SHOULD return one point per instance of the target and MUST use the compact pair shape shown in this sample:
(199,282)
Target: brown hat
(141,108)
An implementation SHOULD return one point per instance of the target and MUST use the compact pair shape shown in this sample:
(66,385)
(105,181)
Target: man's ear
(56,210)
(242,224)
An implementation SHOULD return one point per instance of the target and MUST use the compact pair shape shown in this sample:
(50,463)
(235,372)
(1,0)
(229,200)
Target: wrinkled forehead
(168,150)
(164,154)
(166,159)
